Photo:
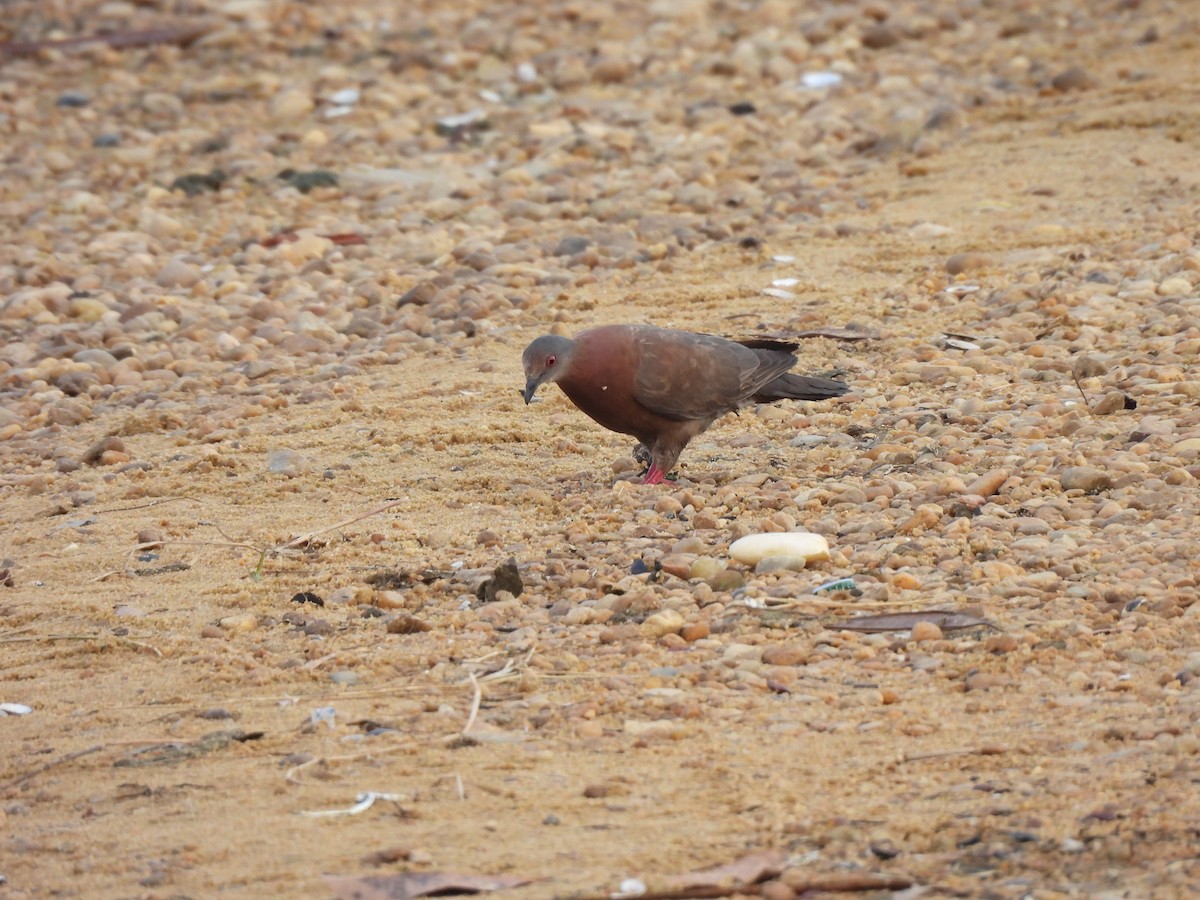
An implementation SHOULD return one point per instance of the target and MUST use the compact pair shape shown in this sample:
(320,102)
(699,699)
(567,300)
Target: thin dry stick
(1086,402)
(112,509)
(183,35)
(475,701)
(21,779)
(305,538)
(945,754)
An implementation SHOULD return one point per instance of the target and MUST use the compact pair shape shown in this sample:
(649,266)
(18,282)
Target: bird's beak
(531,386)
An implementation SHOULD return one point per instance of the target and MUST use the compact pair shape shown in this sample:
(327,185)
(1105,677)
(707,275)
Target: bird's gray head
(545,359)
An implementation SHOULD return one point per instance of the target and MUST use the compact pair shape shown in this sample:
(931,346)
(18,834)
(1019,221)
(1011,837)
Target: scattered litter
(630,887)
(956,343)
(851,332)
(363,802)
(417,884)
(779,293)
(817,80)
(838,584)
(904,621)
(324,714)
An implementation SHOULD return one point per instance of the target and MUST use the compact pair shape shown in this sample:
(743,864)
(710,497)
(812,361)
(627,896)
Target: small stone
(94,455)
(72,100)
(668,621)
(1072,79)
(695,631)
(770,564)
(243,622)
(784,655)
(1112,402)
(289,463)
(988,483)
(291,104)
(572,244)
(967,262)
(1088,479)
(706,567)
(420,295)
(153,537)
(926,631)
(405,624)
(1001,643)
(880,37)
(344,676)
(177,273)
(1177,286)
(727,580)
(505,577)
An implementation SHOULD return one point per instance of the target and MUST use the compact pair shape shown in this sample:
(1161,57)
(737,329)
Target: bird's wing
(700,376)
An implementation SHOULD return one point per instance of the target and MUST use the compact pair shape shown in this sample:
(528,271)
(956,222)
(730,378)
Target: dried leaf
(750,869)
(406,885)
(947,620)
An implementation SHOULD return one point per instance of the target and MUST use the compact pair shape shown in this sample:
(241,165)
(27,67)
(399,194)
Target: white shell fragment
(755,547)
(15,709)
(817,80)
(779,293)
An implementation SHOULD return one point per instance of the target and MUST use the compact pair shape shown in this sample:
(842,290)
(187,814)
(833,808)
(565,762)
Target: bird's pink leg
(654,475)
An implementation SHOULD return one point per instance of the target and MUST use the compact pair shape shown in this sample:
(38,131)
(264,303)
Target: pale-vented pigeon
(664,387)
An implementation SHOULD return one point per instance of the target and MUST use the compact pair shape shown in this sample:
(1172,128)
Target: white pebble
(754,547)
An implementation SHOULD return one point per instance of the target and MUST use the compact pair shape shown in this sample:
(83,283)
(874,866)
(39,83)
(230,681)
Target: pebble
(1088,479)
(924,632)
(754,547)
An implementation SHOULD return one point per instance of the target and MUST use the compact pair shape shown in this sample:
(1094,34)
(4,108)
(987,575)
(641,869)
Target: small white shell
(754,547)
(15,709)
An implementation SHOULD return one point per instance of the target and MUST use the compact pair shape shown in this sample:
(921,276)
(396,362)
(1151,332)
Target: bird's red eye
(551,360)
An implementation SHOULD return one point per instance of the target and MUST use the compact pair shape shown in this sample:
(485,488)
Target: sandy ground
(187,712)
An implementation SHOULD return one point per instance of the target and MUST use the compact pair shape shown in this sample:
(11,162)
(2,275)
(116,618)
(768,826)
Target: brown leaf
(406,885)
(945,619)
(750,869)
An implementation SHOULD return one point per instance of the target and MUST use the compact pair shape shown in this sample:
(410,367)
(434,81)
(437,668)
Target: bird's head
(545,359)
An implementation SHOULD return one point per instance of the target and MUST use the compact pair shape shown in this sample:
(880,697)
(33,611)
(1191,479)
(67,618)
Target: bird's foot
(655,475)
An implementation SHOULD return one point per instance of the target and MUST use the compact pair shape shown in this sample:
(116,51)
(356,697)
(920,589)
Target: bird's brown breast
(601,383)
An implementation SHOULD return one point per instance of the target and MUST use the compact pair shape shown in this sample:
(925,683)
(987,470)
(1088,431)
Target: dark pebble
(572,244)
(72,100)
(307,597)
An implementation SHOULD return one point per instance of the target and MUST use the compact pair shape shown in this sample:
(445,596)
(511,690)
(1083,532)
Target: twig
(945,754)
(183,35)
(362,803)
(1086,401)
(819,883)
(96,748)
(305,538)
(160,502)
(475,701)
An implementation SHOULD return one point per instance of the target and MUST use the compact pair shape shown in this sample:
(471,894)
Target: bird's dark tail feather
(800,387)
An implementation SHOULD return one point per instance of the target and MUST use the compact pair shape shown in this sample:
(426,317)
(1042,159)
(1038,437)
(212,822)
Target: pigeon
(664,386)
